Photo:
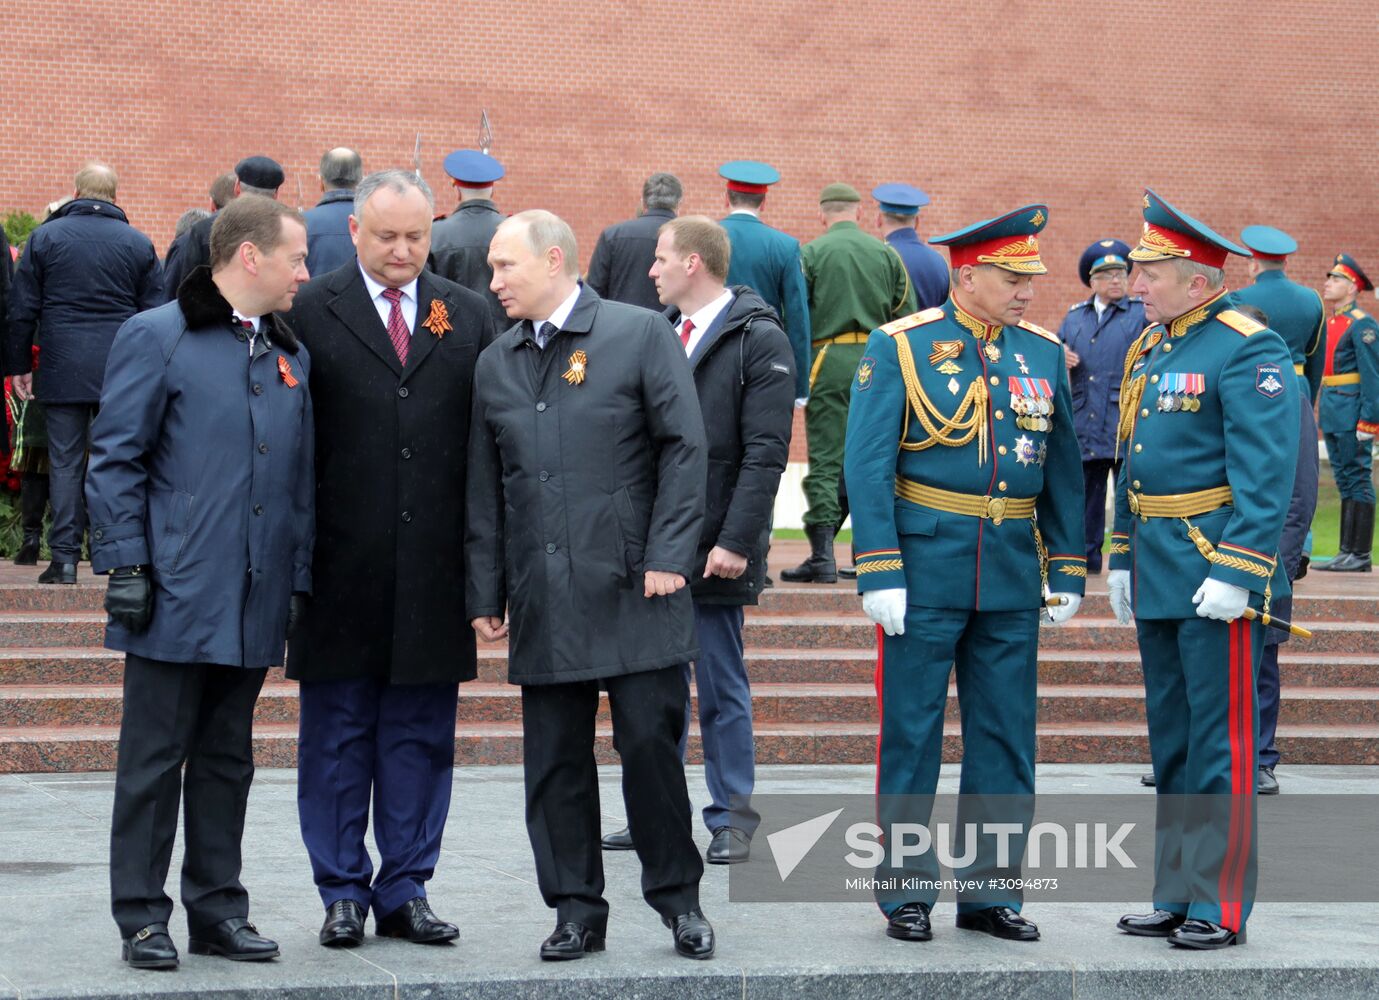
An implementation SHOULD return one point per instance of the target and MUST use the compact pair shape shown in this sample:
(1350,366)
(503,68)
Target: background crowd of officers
(613,457)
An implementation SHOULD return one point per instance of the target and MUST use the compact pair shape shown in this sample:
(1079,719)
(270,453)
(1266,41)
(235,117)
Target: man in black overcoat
(384,642)
(586,495)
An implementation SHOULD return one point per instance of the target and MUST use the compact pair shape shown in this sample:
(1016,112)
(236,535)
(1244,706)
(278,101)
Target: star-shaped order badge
(438,322)
(579,362)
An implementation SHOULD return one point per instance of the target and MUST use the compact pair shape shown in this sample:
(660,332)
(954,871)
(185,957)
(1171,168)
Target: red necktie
(397,326)
(685,332)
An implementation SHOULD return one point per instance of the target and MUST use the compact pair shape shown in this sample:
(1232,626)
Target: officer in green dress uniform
(1349,410)
(965,480)
(1209,431)
(856,283)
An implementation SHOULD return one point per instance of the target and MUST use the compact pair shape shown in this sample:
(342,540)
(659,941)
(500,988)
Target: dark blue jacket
(83,273)
(926,266)
(202,468)
(328,243)
(1101,344)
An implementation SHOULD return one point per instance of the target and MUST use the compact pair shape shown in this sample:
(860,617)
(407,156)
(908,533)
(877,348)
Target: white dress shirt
(703,319)
(561,314)
(257,322)
(408,302)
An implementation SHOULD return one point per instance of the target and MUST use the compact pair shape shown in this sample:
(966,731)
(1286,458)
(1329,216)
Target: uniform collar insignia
(1185,322)
(980,330)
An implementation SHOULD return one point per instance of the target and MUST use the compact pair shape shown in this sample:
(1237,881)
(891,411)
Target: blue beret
(259,172)
(899,199)
(473,168)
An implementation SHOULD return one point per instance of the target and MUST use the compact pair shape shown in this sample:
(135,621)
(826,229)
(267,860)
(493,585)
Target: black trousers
(1094,474)
(563,797)
(69,435)
(200,715)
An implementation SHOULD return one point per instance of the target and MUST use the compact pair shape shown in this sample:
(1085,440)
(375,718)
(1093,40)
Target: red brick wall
(1237,111)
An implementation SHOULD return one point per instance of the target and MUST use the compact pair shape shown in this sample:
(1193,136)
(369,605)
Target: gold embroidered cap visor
(1009,241)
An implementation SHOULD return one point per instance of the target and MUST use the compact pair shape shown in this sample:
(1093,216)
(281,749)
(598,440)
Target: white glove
(1118,583)
(887,609)
(1059,613)
(1363,436)
(1223,601)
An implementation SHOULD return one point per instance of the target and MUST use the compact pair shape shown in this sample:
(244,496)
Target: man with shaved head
(585,500)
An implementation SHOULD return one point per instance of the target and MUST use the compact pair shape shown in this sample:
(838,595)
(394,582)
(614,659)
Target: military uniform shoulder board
(1078,305)
(1046,334)
(1358,313)
(911,321)
(1240,323)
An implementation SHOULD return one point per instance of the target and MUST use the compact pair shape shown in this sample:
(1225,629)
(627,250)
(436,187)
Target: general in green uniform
(856,283)
(965,481)
(1209,431)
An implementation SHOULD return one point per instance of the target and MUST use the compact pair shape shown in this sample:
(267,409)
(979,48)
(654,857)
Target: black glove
(296,611)
(129,598)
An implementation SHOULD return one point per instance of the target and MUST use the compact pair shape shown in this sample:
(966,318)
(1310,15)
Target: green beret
(839,192)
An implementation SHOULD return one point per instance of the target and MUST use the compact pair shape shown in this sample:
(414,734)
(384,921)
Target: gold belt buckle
(996,508)
(1134,499)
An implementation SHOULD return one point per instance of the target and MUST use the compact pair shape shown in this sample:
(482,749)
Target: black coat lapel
(423,340)
(353,307)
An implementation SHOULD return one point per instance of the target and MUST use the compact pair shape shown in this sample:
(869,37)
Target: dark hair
(250,218)
(662,191)
(742,199)
(1254,312)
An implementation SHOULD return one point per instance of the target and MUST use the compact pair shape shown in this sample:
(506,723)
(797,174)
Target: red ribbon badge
(285,370)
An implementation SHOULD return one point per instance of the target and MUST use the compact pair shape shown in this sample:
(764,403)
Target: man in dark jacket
(200,494)
(253,175)
(384,644)
(741,361)
(459,243)
(328,239)
(619,269)
(586,495)
(84,272)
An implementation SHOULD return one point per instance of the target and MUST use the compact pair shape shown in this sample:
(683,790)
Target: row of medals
(1034,412)
(1179,402)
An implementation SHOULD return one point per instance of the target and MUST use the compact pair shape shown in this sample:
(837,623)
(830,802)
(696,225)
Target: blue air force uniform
(962,470)
(1100,338)
(1209,438)
(1295,312)
(927,269)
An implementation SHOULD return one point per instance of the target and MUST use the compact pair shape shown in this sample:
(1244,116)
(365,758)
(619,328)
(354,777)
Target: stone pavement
(57,938)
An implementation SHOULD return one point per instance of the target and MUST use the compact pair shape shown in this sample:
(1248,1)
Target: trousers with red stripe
(1199,679)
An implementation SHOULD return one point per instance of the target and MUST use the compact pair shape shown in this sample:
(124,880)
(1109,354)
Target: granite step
(100,705)
(93,748)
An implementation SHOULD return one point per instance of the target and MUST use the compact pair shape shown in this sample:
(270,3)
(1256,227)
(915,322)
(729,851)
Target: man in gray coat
(200,493)
(585,499)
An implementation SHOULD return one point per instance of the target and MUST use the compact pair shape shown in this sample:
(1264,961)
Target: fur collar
(204,308)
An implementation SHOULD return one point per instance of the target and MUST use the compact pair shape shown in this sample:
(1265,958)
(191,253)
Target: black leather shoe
(1265,782)
(847,572)
(344,926)
(693,935)
(1160,923)
(728,847)
(236,939)
(618,840)
(910,923)
(149,948)
(1205,936)
(59,572)
(414,921)
(28,550)
(1001,922)
(1148,780)
(570,940)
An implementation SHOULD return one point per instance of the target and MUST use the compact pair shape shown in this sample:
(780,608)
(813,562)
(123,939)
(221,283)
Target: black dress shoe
(1265,782)
(1149,780)
(728,847)
(693,935)
(149,948)
(618,840)
(847,572)
(1001,922)
(344,926)
(1205,935)
(59,572)
(414,921)
(910,923)
(236,939)
(570,940)
(1160,923)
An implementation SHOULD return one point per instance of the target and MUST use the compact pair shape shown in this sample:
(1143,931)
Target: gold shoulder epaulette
(911,321)
(1358,313)
(1046,334)
(1239,322)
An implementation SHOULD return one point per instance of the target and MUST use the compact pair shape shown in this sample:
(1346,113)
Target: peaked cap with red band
(748,176)
(1346,267)
(1268,243)
(1009,241)
(1173,235)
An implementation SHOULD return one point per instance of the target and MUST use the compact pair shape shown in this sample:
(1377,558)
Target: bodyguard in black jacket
(625,251)
(741,362)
